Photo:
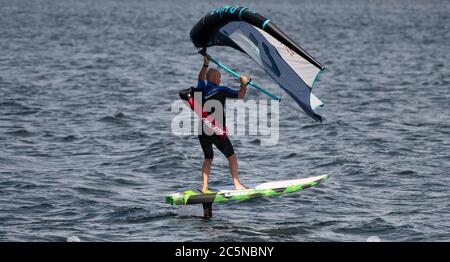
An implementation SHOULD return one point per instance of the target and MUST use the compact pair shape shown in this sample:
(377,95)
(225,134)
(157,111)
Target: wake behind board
(225,194)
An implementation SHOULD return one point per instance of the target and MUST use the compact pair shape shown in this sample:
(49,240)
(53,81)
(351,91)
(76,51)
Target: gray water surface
(86,147)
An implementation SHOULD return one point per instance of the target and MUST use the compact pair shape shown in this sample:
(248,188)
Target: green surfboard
(225,194)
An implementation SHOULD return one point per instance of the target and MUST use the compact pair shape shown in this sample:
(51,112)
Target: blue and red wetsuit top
(211,91)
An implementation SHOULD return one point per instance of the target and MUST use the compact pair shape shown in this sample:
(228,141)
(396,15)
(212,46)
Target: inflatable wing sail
(280,57)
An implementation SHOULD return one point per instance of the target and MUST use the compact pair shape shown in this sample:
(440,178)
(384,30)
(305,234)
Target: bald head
(213,75)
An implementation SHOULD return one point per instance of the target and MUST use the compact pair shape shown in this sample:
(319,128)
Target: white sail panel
(292,72)
(307,71)
(303,68)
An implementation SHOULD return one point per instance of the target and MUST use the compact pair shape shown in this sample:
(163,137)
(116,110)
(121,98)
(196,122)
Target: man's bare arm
(244,82)
(202,74)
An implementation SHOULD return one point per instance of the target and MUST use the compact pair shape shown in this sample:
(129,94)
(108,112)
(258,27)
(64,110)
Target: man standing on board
(212,90)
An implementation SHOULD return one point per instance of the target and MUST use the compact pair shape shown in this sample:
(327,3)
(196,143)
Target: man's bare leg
(232,160)
(206,168)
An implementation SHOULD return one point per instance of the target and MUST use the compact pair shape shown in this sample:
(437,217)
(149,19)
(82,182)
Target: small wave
(125,182)
(93,191)
(22,132)
(43,207)
(406,173)
(132,135)
(24,186)
(115,119)
(135,215)
(286,232)
(135,135)
(291,155)
(69,138)
(16,108)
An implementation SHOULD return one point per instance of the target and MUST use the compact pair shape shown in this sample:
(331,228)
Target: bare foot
(204,189)
(239,186)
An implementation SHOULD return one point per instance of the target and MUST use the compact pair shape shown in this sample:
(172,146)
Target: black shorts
(224,145)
